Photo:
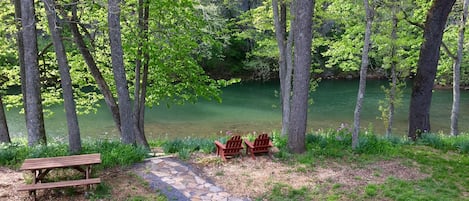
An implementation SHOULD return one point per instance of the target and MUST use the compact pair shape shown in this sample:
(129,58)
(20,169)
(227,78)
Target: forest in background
(187,49)
(243,39)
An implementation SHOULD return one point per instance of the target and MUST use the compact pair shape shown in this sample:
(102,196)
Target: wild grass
(185,146)
(443,158)
(113,153)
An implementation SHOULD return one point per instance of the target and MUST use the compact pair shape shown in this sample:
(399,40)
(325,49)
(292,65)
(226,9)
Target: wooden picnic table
(40,167)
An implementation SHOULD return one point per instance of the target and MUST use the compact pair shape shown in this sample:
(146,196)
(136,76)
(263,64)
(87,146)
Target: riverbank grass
(436,166)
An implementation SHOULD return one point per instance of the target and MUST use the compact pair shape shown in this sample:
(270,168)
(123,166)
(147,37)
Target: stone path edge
(180,181)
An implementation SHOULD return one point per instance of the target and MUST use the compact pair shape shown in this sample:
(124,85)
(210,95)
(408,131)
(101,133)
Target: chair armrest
(249,144)
(219,144)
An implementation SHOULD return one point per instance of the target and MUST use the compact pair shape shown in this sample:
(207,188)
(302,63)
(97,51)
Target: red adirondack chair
(261,144)
(232,147)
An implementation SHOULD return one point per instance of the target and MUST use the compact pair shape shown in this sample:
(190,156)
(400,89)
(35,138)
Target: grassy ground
(433,168)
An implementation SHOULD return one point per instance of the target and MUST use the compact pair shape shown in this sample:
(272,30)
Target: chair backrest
(235,142)
(262,140)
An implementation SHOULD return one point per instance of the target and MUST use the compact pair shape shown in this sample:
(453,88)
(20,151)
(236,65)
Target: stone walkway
(180,181)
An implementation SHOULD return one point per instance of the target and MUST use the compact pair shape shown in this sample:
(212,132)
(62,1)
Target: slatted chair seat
(261,144)
(231,148)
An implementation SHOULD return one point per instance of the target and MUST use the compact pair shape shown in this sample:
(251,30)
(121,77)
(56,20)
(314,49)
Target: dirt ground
(254,178)
(124,185)
(247,177)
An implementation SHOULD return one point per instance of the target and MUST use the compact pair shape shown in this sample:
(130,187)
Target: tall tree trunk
(19,41)
(138,93)
(93,68)
(141,123)
(392,95)
(74,138)
(302,65)
(34,113)
(280,21)
(146,59)
(363,70)
(4,134)
(125,107)
(457,72)
(420,101)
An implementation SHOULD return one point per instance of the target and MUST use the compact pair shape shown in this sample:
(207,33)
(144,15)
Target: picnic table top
(61,161)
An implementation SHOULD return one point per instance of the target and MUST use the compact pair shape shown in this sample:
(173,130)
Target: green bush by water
(189,144)
(446,142)
(113,153)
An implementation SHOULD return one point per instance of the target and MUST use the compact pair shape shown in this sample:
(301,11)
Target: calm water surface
(249,107)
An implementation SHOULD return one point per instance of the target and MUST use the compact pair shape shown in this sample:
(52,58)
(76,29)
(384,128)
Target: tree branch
(406,18)
(41,53)
(421,26)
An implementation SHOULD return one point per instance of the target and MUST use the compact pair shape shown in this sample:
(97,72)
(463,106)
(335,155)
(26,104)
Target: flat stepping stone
(178,181)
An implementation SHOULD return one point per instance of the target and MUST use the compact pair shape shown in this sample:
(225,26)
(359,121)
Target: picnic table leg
(87,175)
(36,173)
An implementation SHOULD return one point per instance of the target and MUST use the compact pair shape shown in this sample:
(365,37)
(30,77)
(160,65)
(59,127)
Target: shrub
(114,153)
(372,144)
(189,145)
(278,140)
(432,140)
(463,146)
(12,154)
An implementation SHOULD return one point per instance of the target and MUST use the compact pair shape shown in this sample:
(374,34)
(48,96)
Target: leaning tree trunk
(392,95)
(4,134)
(93,68)
(74,138)
(457,72)
(363,70)
(302,65)
(125,107)
(34,113)
(420,101)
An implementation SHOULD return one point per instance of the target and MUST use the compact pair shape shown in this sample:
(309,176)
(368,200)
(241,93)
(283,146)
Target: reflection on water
(254,107)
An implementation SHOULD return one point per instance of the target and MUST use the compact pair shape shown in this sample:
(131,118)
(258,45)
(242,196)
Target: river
(254,107)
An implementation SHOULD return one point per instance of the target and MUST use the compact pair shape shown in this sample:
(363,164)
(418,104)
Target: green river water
(254,107)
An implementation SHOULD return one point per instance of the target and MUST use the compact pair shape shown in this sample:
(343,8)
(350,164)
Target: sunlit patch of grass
(285,192)
(371,190)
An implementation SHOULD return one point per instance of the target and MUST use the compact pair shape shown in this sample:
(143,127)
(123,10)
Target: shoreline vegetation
(440,160)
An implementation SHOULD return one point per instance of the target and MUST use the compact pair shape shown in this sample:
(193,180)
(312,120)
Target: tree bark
(139,104)
(392,95)
(4,134)
(19,41)
(457,72)
(34,113)
(125,108)
(93,68)
(302,64)
(420,102)
(280,22)
(74,138)
(363,70)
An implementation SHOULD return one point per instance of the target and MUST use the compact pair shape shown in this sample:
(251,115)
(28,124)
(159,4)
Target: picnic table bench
(40,167)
